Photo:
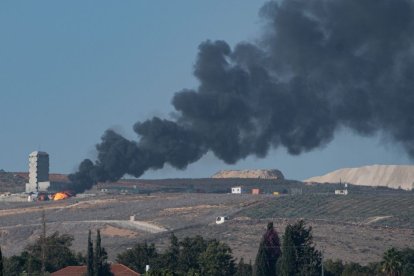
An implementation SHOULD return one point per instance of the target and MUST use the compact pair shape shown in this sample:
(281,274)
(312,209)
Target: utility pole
(43,243)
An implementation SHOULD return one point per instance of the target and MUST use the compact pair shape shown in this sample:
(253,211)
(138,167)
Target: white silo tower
(38,172)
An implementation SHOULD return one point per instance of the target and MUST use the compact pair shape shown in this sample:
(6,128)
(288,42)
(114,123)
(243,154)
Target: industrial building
(38,172)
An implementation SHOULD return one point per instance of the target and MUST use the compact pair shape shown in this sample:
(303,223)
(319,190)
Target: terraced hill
(385,210)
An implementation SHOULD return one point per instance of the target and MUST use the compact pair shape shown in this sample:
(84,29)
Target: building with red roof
(116,269)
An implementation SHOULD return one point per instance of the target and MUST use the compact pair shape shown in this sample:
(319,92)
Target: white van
(221,219)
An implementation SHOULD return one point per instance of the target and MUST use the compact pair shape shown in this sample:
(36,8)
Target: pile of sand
(262,174)
(392,176)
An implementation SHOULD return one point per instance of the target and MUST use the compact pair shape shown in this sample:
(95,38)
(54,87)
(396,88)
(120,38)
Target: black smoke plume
(319,65)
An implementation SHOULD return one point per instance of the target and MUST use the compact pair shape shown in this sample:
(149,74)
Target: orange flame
(60,196)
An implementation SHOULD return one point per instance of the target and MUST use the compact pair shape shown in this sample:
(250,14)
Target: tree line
(192,256)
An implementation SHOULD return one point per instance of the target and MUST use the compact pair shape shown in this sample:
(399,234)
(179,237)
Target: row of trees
(298,256)
(394,263)
(295,255)
(190,256)
(97,260)
(57,255)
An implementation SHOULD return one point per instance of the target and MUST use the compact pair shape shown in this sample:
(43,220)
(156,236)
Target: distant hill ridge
(11,182)
(262,174)
(14,182)
(53,177)
(392,176)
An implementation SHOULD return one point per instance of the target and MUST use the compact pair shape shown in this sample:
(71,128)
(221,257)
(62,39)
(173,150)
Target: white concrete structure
(38,172)
(341,192)
(236,190)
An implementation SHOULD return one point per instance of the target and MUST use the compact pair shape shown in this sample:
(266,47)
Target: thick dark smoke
(319,65)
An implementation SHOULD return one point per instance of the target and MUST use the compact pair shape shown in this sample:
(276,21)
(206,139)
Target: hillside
(14,182)
(53,177)
(261,174)
(357,227)
(388,209)
(206,185)
(11,182)
(392,176)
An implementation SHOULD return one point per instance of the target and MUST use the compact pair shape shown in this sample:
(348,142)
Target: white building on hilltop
(38,172)
(341,192)
(236,190)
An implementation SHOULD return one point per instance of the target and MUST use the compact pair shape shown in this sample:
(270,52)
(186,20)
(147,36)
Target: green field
(398,209)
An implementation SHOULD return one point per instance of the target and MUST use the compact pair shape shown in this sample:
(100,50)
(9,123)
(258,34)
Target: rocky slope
(262,174)
(392,176)
(11,182)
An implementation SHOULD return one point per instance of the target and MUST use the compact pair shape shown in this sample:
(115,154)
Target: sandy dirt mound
(112,231)
(392,176)
(262,174)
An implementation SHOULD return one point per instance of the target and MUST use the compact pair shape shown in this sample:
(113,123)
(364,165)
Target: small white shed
(341,192)
(236,190)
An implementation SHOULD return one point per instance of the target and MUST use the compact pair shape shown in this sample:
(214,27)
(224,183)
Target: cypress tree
(97,264)
(261,265)
(1,263)
(288,261)
(101,267)
(105,267)
(268,253)
(89,257)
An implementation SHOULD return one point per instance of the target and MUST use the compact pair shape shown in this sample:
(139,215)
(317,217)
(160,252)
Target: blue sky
(71,69)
